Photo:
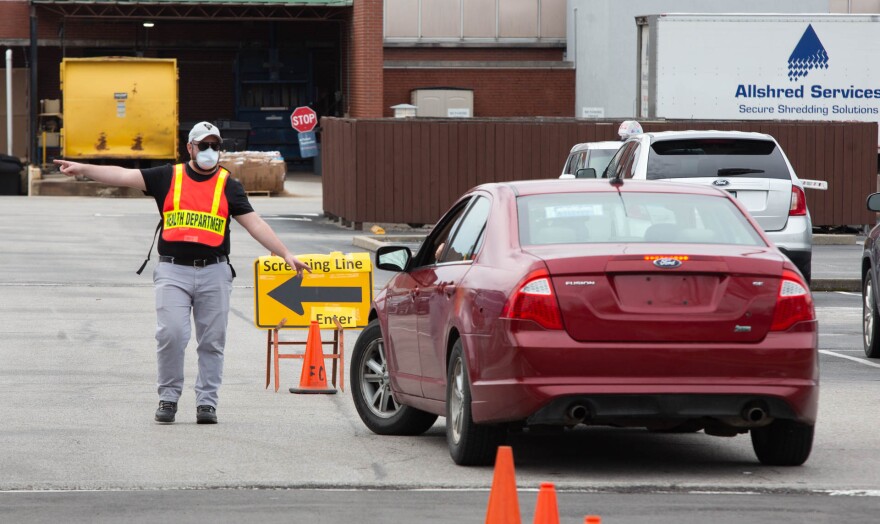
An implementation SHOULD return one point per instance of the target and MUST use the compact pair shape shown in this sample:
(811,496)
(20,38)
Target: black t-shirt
(158,182)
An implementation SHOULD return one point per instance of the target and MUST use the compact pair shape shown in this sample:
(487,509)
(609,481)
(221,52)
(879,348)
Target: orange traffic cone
(503,501)
(592,519)
(313,378)
(546,510)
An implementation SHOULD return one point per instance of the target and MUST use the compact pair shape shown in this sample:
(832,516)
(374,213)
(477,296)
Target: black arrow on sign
(291,294)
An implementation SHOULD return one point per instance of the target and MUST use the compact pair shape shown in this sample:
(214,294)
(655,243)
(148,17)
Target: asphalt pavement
(77,375)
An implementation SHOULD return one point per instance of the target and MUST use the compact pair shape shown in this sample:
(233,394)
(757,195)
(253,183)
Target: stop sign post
(303,119)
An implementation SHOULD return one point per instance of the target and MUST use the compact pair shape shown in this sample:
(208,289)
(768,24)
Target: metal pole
(9,101)
(32,88)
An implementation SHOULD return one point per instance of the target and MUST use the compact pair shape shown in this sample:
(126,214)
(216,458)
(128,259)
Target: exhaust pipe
(577,413)
(754,413)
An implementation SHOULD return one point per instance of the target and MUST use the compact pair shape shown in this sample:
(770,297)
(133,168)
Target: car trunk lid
(666,293)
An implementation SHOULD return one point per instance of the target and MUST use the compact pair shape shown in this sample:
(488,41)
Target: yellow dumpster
(119,107)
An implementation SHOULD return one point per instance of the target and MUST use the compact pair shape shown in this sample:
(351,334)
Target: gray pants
(205,292)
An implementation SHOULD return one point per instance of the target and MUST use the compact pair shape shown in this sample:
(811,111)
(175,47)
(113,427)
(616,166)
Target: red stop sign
(303,119)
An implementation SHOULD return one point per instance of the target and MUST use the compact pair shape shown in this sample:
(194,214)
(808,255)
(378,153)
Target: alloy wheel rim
(868,314)
(456,402)
(375,383)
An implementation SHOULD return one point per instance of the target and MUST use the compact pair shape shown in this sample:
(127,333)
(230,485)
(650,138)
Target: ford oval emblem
(721,182)
(667,263)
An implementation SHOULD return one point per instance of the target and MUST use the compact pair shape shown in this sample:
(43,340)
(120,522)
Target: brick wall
(475,53)
(14,19)
(365,60)
(534,92)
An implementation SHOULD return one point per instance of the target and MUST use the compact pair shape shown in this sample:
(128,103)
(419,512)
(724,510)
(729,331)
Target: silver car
(751,166)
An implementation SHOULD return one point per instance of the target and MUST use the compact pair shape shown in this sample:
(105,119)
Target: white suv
(751,166)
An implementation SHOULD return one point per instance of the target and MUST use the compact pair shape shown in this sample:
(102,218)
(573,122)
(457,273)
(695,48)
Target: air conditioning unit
(443,102)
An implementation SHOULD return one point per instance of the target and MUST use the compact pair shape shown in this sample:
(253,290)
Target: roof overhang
(239,10)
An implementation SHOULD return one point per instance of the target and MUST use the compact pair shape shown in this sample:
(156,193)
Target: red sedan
(629,304)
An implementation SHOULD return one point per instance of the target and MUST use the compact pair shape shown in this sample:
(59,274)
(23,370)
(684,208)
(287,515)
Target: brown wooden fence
(412,170)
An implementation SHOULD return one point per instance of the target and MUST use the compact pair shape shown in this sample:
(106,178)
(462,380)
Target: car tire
(870,319)
(806,269)
(783,443)
(470,444)
(371,390)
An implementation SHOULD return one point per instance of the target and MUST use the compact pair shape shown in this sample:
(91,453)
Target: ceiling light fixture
(149,24)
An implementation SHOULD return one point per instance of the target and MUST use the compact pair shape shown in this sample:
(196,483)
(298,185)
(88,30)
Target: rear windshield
(591,218)
(711,157)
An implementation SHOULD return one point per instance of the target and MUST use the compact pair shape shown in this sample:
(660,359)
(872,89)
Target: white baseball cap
(203,130)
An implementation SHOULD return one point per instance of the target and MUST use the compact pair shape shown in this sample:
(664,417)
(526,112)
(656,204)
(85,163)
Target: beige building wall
(855,6)
(474,20)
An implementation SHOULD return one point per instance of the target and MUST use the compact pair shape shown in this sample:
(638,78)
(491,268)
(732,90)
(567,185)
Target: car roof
(585,146)
(555,185)
(672,135)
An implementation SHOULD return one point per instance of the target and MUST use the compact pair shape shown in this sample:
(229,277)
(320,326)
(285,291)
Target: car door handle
(448,288)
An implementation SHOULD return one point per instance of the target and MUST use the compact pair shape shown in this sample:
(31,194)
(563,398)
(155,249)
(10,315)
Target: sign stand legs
(273,353)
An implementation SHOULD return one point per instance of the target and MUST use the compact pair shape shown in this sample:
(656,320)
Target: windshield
(590,218)
(599,159)
(714,157)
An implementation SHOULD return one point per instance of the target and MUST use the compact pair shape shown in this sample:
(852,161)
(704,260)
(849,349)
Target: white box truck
(759,67)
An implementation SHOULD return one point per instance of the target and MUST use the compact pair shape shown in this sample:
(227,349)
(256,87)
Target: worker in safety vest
(193,276)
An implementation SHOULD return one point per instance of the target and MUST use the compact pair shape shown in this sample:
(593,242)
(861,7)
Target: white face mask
(207,159)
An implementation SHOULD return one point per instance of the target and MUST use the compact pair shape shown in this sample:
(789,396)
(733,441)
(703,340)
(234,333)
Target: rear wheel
(806,269)
(371,390)
(783,443)
(870,319)
(469,444)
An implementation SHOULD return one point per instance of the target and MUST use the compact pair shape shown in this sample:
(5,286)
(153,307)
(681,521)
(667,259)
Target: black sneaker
(165,413)
(206,415)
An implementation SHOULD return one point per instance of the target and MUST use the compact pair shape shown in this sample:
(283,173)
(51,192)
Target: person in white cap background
(193,276)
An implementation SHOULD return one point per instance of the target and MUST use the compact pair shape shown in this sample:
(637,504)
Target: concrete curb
(374,242)
(834,240)
(853,285)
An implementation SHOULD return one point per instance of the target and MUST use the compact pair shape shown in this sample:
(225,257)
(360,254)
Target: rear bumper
(651,409)
(796,236)
(537,376)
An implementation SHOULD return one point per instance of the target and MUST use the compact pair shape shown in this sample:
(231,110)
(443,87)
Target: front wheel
(371,390)
(469,444)
(870,319)
(783,443)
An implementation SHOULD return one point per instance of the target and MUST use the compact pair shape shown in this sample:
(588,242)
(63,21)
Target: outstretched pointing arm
(110,175)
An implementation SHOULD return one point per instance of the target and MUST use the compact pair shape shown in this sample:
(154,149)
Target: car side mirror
(587,172)
(393,258)
(873,202)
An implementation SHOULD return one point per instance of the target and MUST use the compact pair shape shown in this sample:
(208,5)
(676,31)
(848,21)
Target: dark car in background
(870,292)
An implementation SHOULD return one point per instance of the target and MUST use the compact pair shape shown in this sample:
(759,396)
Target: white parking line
(854,359)
(848,293)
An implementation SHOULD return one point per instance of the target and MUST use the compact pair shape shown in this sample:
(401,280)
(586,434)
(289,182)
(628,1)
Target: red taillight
(798,207)
(535,300)
(794,302)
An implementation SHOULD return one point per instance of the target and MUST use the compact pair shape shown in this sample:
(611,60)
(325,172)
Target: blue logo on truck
(808,54)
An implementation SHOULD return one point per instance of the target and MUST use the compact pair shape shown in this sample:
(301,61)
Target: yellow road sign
(339,285)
